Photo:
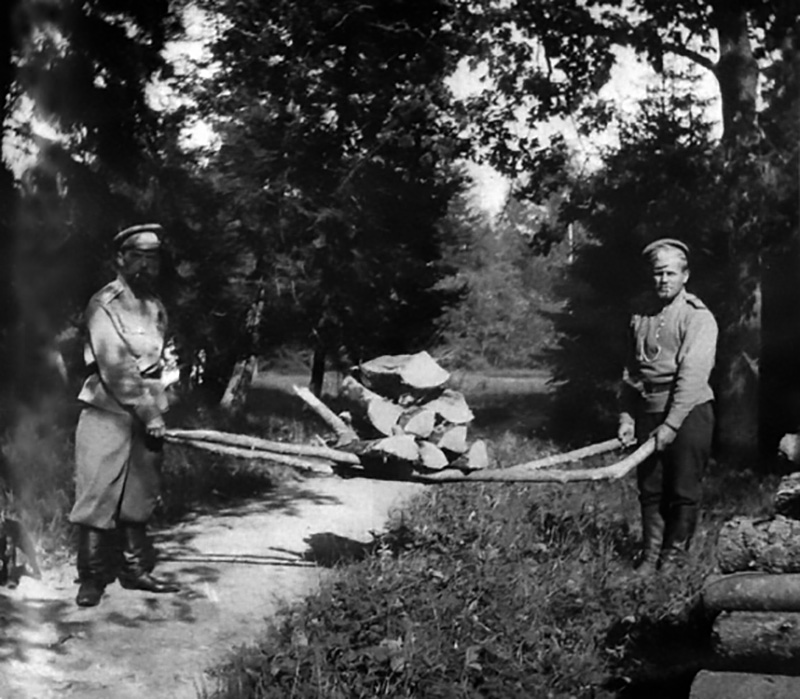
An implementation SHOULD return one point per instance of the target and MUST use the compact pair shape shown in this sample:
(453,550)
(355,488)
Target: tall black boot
(652,536)
(97,557)
(681,525)
(138,561)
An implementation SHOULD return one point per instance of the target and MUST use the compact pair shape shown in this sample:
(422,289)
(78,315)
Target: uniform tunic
(117,468)
(666,380)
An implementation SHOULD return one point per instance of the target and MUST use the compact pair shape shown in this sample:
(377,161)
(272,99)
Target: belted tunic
(671,355)
(117,466)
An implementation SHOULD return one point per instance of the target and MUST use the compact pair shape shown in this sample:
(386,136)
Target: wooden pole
(317,466)
(524,474)
(250,442)
(345,433)
(575,455)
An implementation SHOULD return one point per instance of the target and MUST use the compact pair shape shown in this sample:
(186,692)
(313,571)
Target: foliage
(664,180)
(335,168)
(81,69)
(503,319)
(512,591)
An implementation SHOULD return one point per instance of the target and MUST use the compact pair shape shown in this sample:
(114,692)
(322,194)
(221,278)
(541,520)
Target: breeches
(672,478)
(117,470)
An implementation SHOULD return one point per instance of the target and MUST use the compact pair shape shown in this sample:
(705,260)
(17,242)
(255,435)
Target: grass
(502,590)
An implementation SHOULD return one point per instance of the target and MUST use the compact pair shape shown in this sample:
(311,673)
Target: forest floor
(236,566)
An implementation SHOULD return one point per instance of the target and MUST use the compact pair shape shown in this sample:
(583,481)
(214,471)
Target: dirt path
(138,645)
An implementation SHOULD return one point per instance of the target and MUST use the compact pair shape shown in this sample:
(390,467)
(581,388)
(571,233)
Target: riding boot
(681,526)
(97,554)
(652,534)
(138,561)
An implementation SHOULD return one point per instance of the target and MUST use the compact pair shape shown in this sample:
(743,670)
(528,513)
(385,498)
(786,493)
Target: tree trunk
(741,345)
(741,685)
(318,370)
(769,545)
(736,70)
(757,642)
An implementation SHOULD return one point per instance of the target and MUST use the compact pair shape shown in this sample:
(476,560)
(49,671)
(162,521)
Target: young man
(120,430)
(666,394)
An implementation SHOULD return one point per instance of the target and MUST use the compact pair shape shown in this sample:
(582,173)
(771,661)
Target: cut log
(477,458)
(787,496)
(344,432)
(403,447)
(742,685)
(768,545)
(393,375)
(454,439)
(756,592)
(249,442)
(451,407)
(757,642)
(527,475)
(418,421)
(431,457)
(379,412)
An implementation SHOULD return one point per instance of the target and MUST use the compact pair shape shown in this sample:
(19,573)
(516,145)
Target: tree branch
(694,56)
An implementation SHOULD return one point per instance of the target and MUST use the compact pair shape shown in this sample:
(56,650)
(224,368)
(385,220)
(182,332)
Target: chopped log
(402,446)
(757,642)
(523,474)
(378,411)
(787,496)
(315,465)
(477,457)
(418,421)
(431,457)
(755,592)
(789,448)
(451,407)
(574,455)
(742,685)
(344,432)
(454,439)
(393,375)
(250,442)
(768,545)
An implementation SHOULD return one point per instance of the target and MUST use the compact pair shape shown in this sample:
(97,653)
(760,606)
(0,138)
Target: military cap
(650,250)
(146,236)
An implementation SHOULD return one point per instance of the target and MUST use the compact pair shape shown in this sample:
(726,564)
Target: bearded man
(119,437)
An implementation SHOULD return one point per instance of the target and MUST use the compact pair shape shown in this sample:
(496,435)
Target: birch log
(743,685)
(757,642)
(344,432)
(304,464)
(250,442)
(756,592)
(524,474)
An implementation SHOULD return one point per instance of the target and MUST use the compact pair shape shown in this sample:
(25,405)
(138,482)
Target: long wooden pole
(345,433)
(251,442)
(524,474)
(574,455)
(317,466)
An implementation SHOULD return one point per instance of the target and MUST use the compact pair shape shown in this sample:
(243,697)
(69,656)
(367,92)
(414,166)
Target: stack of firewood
(756,602)
(402,410)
